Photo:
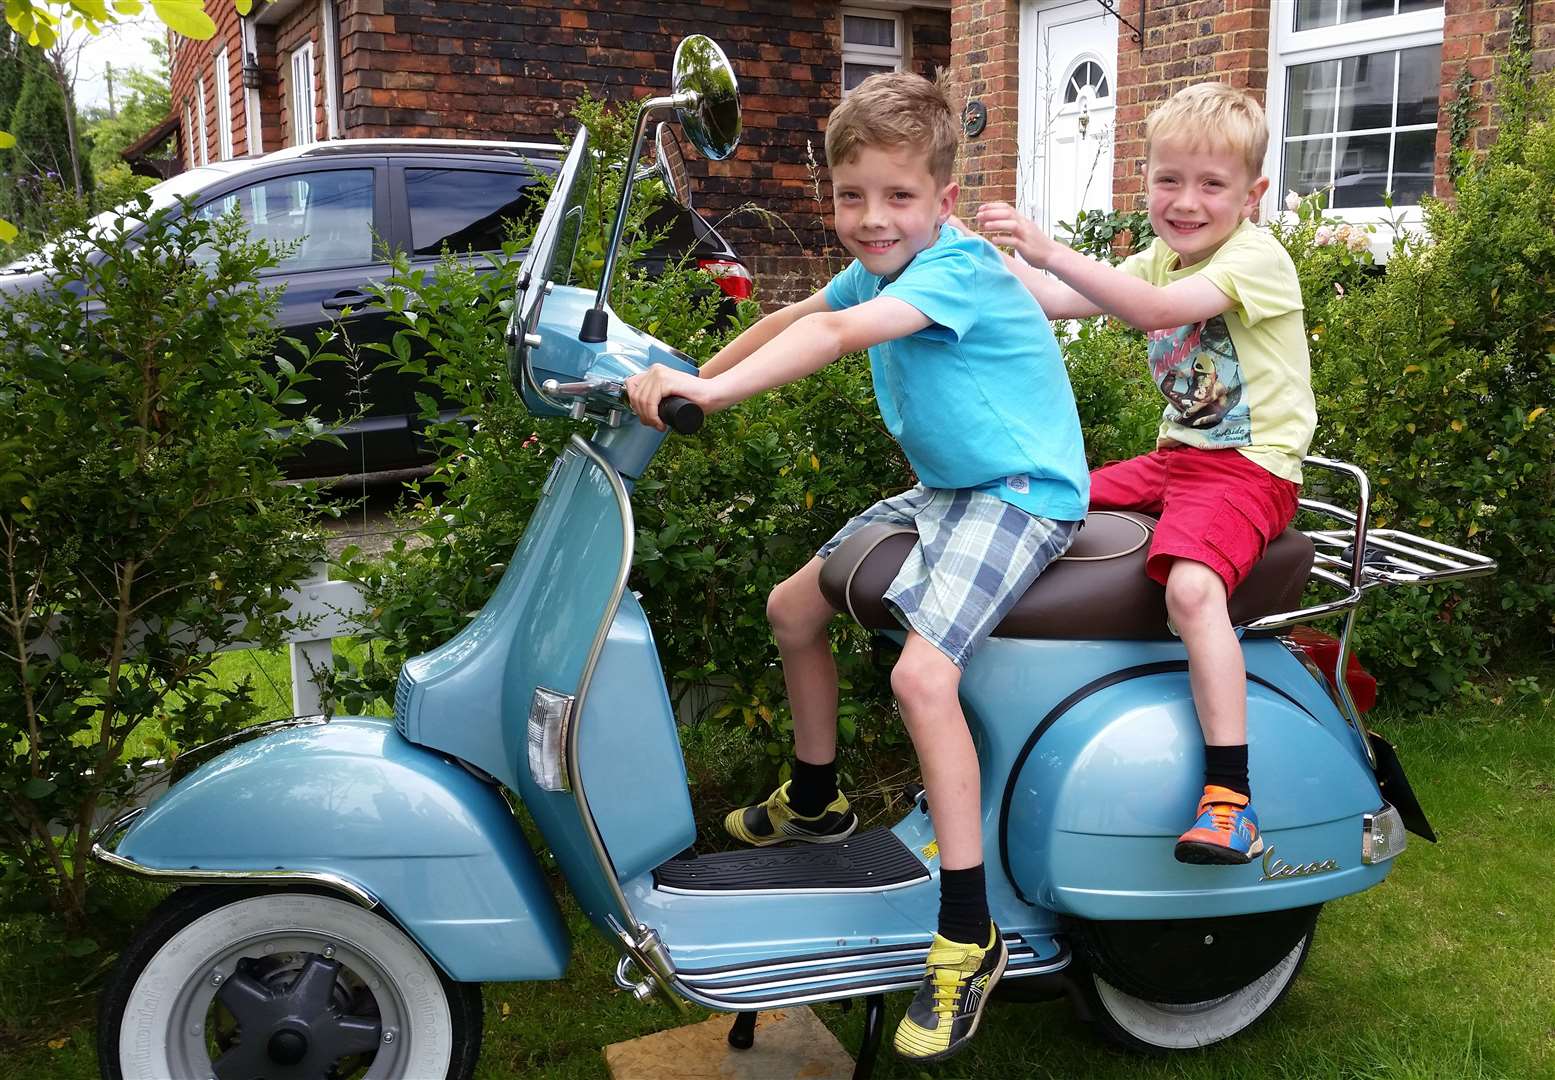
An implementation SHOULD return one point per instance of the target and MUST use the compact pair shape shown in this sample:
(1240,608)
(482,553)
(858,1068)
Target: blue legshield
(436,846)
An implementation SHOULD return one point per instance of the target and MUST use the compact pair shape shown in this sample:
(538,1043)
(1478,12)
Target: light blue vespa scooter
(353,880)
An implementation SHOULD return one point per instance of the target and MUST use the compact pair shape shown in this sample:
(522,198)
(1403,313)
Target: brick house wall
(1476,37)
(511,70)
(301,27)
(1187,41)
(985,54)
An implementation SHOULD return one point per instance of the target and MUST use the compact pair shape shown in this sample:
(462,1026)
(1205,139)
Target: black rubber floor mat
(872,860)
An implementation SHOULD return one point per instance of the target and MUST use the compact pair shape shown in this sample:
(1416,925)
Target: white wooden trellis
(325,610)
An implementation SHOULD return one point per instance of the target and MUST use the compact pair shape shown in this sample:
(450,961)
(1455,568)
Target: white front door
(1068,81)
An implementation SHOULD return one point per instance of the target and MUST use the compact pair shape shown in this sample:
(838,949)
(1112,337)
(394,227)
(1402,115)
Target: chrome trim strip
(910,949)
(102,853)
(792,892)
(915,952)
(1058,963)
(574,766)
(913,967)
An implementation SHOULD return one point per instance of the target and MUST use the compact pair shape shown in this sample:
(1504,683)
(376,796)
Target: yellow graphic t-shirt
(1242,379)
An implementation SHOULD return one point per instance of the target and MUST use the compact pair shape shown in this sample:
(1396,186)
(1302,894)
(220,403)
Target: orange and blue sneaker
(1226,832)
(775,820)
(944,1013)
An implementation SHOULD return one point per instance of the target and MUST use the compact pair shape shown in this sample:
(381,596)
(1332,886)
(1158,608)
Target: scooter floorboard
(872,861)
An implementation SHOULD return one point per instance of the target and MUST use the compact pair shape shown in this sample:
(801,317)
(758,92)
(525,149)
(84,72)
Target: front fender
(437,847)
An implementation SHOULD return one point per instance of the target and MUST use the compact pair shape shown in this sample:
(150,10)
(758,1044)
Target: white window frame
(188,134)
(1290,48)
(874,55)
(329,38)
(304,106)
(205,144)
(223,106)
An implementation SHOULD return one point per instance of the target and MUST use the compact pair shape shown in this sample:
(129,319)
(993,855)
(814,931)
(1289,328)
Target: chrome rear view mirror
(705,81)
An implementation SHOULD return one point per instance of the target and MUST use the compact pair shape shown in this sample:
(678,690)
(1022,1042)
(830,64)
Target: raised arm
(1101,287)
(806,345)
(1002,224)
(767,328)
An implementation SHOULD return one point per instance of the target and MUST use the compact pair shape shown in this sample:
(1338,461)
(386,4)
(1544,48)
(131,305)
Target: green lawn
(1446,972)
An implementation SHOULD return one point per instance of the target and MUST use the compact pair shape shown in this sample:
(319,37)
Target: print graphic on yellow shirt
(1241,380)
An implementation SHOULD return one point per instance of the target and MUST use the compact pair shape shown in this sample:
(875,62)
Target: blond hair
(896,109)
(1215,115)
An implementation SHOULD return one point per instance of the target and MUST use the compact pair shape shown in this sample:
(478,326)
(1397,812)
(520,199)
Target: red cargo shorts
(1216,507)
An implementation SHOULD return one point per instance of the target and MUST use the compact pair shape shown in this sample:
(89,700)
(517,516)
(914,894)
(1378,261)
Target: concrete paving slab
(791,1044)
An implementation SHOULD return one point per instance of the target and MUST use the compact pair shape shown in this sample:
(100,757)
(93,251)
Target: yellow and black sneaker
(945,1011)
(774,821)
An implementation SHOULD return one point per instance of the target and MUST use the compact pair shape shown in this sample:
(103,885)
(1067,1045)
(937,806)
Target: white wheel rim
(1185,1027)
(161,1034)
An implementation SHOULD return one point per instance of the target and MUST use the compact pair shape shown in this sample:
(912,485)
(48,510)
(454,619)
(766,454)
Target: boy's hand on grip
(646,390)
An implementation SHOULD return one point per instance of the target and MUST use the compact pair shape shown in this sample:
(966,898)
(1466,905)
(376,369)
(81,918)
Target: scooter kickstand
(874,1028)
(742,1036)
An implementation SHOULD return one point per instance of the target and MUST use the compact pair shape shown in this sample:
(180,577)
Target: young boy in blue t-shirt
(981,404)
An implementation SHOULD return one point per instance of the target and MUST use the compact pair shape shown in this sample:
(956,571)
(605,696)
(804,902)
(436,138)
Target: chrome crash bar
(102,851)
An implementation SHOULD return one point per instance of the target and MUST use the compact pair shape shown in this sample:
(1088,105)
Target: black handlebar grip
(681,415)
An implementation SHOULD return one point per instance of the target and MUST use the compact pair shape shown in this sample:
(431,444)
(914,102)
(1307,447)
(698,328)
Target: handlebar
(681,415)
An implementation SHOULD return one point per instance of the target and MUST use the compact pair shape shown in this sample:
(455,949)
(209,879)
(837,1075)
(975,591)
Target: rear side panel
(1111,776)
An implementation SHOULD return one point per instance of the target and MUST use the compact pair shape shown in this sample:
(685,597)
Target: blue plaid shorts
(976,556)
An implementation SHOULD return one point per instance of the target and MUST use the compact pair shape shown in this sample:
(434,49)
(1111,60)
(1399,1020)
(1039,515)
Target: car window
(469,210)
(325,218)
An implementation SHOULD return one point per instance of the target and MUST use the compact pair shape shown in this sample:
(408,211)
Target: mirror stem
(596,323)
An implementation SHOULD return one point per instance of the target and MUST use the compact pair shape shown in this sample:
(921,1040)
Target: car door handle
(351,298)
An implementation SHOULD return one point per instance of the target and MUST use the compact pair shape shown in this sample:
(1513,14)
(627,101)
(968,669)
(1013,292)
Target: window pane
(1414,166)
(1419,84)
(1356,10)
(328,216)
(1310,98)
(1307,165)
(1366,92)
(1362,173)
(1311,14)
(466,210)
(1315,13)
(858,30)
(853,74)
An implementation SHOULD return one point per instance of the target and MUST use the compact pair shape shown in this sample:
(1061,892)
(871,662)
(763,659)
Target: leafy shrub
(142,525)
(1436,377)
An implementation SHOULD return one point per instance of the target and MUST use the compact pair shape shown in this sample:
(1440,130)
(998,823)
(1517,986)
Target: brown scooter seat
(1098,590)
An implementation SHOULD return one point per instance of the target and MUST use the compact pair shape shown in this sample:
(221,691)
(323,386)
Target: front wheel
(237,984)
(1172,985)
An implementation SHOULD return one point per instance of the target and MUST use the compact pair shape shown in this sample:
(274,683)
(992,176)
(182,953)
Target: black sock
(812,787)
(1226,766)
(963,906)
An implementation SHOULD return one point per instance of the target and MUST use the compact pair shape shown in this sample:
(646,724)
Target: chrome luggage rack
(1356,559)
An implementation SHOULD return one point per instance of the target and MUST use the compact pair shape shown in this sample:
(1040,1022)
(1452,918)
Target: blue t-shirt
(979,398)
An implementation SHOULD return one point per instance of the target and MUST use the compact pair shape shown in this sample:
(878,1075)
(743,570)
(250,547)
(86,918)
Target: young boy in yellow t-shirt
(1220,302)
